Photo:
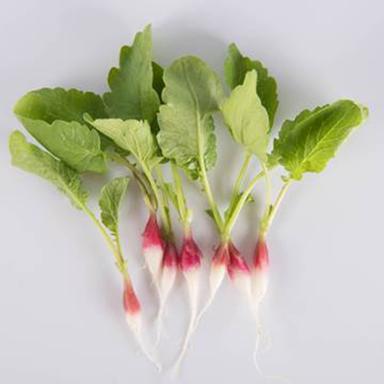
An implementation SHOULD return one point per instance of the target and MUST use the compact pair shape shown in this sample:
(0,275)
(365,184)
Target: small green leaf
(246,117)
(131,135)
(307,143)
(158,82)
(192,93)
(111,197)
(235,68)
(132,95)
(54,117)
(32,159)
(209,212)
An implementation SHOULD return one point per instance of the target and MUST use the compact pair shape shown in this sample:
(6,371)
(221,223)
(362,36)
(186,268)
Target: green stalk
(204,179)
(240,177)
(140,178)
(231,220)
(155,189)
(116,249)
(182,209)
(165,202)
(272,213)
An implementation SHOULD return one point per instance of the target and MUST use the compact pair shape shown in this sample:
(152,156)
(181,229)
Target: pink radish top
(221,256)
(170,257)
(236,264)
(261,259)
(190,256)
(130,301)
(152,234)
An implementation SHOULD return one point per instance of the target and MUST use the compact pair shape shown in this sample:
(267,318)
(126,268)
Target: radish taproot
(190,263)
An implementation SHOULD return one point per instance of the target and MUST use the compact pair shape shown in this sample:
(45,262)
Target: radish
(238,271)
(260,271)
(153,248)
(228,259)
(218,269)
(190,262)
(132,309)
(167,279)
(260,268)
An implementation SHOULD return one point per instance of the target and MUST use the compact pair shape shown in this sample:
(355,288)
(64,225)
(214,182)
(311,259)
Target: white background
(60,296)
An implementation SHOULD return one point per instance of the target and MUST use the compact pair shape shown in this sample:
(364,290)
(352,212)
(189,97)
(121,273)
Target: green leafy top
(111,197)
(55,118)
(235,68)
(32,159)
(50,104)
(246,118)
(131,135)
(132,95)
(308,142)
(192,93)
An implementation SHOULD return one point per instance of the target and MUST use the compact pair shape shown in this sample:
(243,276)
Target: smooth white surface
(60,296)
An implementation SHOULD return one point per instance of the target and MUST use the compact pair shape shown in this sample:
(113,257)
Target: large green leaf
(32,159)
(111,197)
(132,95)
(235,68)
(246,117)
(192,93)
(55,118)
(50,104)
(308,142)
(133,136)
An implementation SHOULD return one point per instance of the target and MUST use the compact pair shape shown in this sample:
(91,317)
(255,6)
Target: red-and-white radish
(153,248)
(259,275)
(238,271)
(190,263)
(260,271)
(217,273)
(167,279)
(132,309)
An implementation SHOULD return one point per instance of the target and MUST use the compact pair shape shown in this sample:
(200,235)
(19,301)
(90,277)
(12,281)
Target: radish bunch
(158,126)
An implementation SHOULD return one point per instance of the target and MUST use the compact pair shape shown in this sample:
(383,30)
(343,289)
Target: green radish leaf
(246,117)
(50,104)
(209,212)
(133,136)
(32,159)
(111,197)
(132,95)
(158,82)
(307,143)
(192,93)
(235,69)
(54,117)
(288,125)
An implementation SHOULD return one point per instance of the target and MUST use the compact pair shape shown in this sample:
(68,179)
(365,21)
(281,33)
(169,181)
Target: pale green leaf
(133,136)
(55,118)
(235,68)
(132,95)
(192,93)
(111,197)
(307,143)
(246,117)
(32,159)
